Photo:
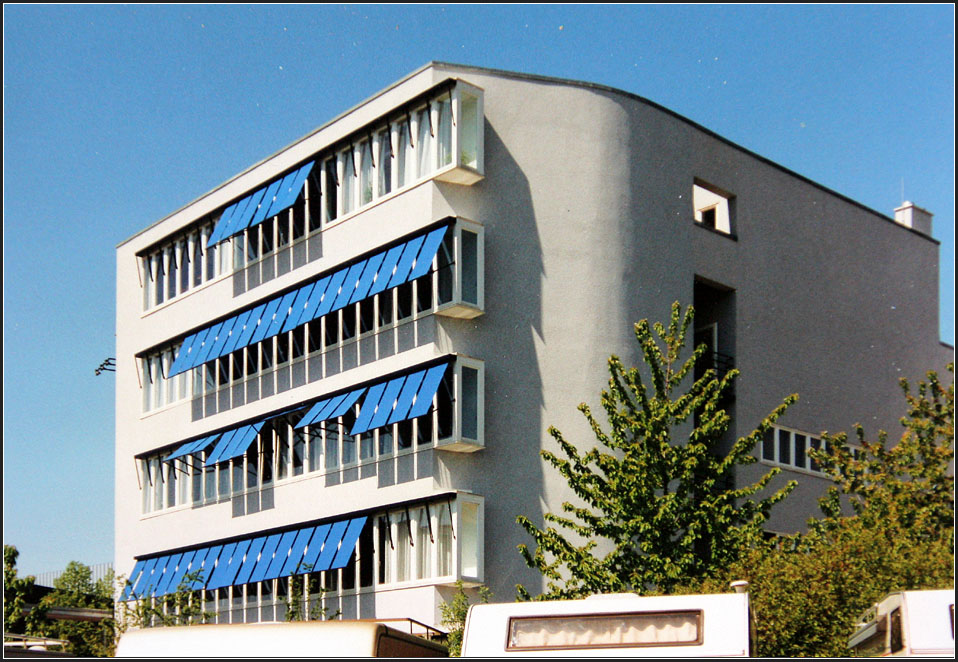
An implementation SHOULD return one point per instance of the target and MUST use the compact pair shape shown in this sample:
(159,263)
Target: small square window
(713,207)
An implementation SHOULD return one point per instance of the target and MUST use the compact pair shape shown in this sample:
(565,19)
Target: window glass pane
(252,467)
(170,475)
(282,229)
(423,545)
(404,432)
(266,237)
(349,441)
(424,429)
(146,489)
(444,541)
(197,260)
(470,267)
(299,451)
(367,448)
(348,181)
(385,303)
(445,268)
(816,444)
(768,445)
(385,551)
(469,127)
(209,481)
(424,293)
(445,132)
(784,447)
(332,444)
(404,301)
(800,451)
(470,403)
(239,250)
(267,456)
(298,337)
(403,543)
(444,409)
(237,474)
(349,321)
(366,173)
(469,531)
(159,279)
(407,155)
(196,470)
(282,450)
(211,262)
(384,163)
(315,448)
(184,268)
(386,440)
(366,315)
(224,478)
(332,187)
(224,253)
(282,348)
(424,144)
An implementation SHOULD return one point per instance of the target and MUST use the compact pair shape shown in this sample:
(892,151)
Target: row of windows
(281,452)
(439,541)
(789,448)
(453,286)
(420,144)
(181,265)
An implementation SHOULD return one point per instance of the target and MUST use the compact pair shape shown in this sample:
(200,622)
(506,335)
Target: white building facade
(335,371)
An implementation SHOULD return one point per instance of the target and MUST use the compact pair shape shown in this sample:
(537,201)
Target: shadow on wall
(509,474)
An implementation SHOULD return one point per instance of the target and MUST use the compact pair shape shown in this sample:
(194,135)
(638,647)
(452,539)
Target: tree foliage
(15,592)
(453,616)
(808,590)
(665,504)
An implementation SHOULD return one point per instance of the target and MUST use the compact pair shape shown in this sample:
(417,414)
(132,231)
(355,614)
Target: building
(341,363)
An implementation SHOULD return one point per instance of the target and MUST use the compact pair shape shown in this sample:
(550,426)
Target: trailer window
(606,630)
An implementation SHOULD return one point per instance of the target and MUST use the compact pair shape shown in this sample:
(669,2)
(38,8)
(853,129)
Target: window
(790,448)
(713,207)
(181,263)
(158,389)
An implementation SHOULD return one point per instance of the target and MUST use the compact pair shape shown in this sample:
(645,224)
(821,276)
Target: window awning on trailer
(256,558)
(263,203)
(390,401)
(390,268)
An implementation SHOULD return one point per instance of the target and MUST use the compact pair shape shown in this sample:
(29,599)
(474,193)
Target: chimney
(914,217)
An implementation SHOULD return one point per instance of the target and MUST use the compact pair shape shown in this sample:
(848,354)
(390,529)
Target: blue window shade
(343,287)
(265,202)
(222,567)
(430,384)
(289,191)
(172,563)
(348,543)
(368,407)
(409,254)
(264,205)
(281,555)
(386,403)
(386,269)
(295,552)
(330,546)
(404,401)
(308,564)
(221,446)
(144,579)
(297,308)
(366,279)
(238,330)
(131,582)
(192,447)
(265,558)
(428,251)
(180,573)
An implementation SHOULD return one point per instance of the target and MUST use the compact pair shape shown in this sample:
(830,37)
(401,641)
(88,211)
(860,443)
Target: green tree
(16,591)
(897,533)
(75,588)
(666,505)
(453,616)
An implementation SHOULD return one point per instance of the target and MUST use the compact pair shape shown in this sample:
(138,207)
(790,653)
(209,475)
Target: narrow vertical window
(470,403)
(384,163)
(252,467)
(800,451)
(469,268)
(183,250)
(445,132)
(299,451)
(365,173)
(348,179)
(349,441)
(444,541)
(469,538)
(784,447)
(330,189)
(423,544)
(470,124)
(197,258)
(403,548)
(282,450)
(332,444)
(266,469)
(315,448)
(425,143)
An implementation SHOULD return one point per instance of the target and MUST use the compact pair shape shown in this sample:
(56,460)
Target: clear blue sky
(115,116)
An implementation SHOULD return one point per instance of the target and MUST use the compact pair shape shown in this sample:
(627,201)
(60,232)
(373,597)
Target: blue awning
(390,401)
(263,203)
(390,268)
(255,558)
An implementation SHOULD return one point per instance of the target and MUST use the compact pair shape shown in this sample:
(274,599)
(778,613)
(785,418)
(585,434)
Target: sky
(115,116)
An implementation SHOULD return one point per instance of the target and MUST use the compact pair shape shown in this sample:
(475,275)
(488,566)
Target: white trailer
(620,625)
(908,623)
